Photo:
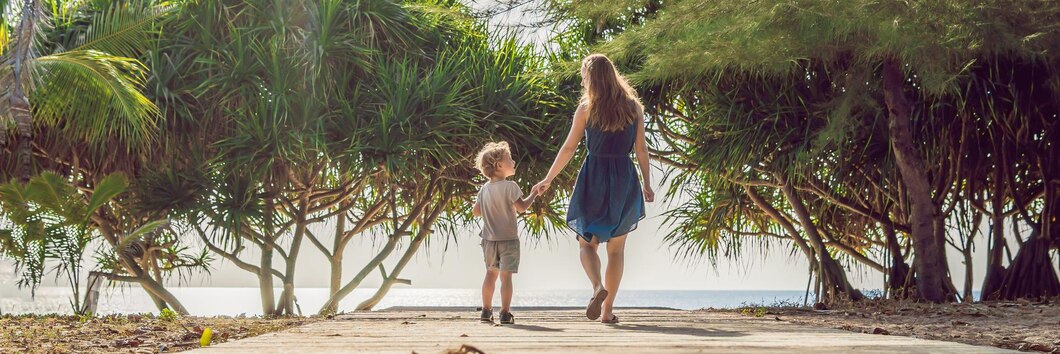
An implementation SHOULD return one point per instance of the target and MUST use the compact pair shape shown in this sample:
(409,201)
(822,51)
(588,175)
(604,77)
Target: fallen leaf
(125,343)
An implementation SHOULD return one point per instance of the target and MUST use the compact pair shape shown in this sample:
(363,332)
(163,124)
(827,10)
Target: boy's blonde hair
(490,156)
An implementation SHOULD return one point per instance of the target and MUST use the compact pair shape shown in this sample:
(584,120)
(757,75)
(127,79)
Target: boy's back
(498,215)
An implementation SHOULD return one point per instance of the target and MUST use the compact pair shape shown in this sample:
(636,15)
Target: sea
(214,301)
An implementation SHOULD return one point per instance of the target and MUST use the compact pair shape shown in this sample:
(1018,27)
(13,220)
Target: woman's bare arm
(566,152)
(643,159)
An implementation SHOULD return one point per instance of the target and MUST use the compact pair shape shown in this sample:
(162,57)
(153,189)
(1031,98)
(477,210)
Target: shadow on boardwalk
(669,330)
(533,328)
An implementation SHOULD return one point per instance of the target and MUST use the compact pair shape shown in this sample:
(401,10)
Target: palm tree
(81,81)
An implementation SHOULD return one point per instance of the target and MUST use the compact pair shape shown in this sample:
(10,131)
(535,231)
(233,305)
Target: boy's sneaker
(507,318)
(487,315)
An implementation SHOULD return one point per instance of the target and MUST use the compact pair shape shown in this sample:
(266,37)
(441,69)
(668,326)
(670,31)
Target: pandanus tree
(360,114)
(866,137)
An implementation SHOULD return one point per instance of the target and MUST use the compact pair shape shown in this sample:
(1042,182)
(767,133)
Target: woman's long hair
(613,104)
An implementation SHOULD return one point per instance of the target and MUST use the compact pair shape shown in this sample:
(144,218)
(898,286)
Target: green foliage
(168,315)
(747,98)
(46,220)
(85,67)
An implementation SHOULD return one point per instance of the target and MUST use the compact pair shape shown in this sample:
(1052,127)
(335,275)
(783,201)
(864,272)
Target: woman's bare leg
(591,262)
(616,254)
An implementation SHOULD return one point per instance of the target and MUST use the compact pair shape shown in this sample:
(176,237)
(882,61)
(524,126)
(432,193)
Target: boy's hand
(541,187)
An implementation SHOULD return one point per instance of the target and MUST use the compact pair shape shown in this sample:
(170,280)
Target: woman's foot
(487,315)
(612,320)
(593,310)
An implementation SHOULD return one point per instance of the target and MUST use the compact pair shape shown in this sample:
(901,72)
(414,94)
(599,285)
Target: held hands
(649,195)
(541,187)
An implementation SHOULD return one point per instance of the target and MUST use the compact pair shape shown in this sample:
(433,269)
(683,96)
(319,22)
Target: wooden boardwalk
(567,331)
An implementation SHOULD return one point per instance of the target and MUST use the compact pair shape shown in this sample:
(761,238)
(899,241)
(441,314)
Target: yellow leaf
(207,334)
(3,38)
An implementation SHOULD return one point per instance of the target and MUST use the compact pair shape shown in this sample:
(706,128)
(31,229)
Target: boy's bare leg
(489,285)
(616,258)
(506,291)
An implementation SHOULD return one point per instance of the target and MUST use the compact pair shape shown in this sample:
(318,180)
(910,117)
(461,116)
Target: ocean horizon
(235,301)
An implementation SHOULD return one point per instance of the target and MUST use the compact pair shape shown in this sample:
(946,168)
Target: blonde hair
(490,156)
(613,104)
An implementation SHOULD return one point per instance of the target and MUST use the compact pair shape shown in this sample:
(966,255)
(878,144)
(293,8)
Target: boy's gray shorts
(501,255)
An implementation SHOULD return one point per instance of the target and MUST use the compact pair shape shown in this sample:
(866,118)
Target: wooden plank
(567,331)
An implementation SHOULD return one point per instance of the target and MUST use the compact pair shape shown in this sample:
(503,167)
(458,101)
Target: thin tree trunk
(287,296)
(424,232)
(338,245)
(400,230)
(159,295)
(336,297)
(995,269)
(21,112)
(774,214)
(832,274)
(162,294)
(932,277)
(899,272)
(265,286)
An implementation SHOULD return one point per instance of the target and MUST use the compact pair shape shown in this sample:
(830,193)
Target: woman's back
(610,144)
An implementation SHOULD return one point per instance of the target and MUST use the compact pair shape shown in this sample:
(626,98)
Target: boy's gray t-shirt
(498,212)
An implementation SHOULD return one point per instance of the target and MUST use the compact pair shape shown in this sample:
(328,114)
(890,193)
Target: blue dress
(607,199)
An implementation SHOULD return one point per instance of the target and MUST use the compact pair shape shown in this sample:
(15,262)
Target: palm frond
(126,29)
(95,96)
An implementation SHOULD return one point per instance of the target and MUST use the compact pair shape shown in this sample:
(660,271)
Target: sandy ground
(1020,325)
(127,333)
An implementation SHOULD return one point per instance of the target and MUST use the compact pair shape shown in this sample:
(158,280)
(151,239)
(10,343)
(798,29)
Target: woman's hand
(649,195)
(541,187)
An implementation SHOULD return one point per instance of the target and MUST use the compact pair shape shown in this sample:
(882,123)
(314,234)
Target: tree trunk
(1031,274)
(265,281)
(337,296)
(930,253)
(831,273)
(424,232)
(338,245)
(774,214)
(899,272)
(398,232)
(995,269)
(21,55)
(20,110)
(163,295)
(159,295)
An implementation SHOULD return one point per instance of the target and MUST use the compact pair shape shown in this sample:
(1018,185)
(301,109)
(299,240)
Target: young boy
(498,203)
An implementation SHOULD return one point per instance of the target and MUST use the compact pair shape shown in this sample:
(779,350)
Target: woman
(607,202)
